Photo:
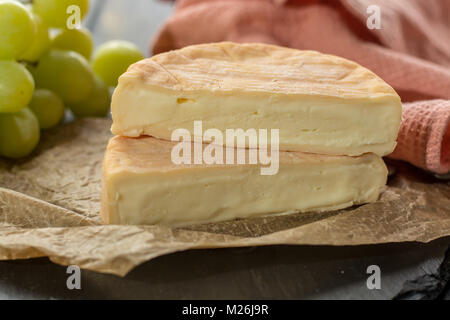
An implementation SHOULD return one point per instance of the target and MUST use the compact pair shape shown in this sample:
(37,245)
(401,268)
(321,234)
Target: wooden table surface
(276,272)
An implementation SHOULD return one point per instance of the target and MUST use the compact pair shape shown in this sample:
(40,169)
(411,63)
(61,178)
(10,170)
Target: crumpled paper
(50,203)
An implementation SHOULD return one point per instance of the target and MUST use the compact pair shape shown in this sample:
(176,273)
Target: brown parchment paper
(50,202)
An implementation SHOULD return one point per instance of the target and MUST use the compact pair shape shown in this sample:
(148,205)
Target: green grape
(67,73)
(17,29)
(79,40)
(96,104)
(16,86)
(56,13)
(19,133)
(40,44)
(113,58)
(47,107)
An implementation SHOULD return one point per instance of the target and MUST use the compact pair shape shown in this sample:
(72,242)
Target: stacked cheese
(335,120)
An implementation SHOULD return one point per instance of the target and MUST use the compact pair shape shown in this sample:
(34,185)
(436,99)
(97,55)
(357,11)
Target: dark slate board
(277,272)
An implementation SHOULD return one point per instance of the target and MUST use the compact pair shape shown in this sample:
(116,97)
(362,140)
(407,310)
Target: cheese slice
(320,103)
(141,185)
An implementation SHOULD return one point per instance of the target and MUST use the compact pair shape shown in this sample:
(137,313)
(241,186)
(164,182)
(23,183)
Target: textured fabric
(424,138)
(411,51)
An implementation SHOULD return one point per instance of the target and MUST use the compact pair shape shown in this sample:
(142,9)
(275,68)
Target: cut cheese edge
(141,185)
(320,103)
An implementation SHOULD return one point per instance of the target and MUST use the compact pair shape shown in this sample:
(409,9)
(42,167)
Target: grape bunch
(47,67)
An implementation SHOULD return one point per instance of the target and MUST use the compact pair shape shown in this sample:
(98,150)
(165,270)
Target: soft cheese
(321,103)
(141,185)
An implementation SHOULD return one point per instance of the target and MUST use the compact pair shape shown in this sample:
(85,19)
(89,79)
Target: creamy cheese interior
(142,186)
(317,124)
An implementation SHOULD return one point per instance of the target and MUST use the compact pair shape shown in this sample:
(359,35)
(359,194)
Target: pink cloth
(411,51)
(424,137)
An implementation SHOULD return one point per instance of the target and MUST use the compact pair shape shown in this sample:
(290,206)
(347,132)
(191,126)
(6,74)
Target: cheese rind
(320,103)
(141,185)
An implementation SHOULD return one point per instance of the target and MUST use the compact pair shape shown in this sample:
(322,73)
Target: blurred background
(136,21)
